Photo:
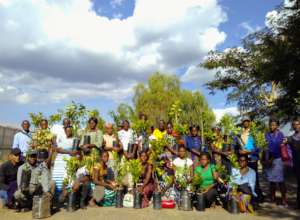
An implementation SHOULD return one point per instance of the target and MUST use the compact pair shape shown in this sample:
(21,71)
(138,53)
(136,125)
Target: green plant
(119,167)
(197,183)
(258,131)
(73,163)
(222,171)
(233,160)
(182,177)
(135,168)
(42,139)
(174,114)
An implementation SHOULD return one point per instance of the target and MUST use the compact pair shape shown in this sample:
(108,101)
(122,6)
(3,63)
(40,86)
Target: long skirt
(59,170)
(275,172)
(147,194)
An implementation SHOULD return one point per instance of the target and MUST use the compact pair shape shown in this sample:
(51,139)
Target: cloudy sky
(94,52)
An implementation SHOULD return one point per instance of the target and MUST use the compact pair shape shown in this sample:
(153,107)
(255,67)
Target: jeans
(3,196)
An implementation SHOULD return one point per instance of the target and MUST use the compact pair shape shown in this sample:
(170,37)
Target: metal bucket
(41,207)
(200,202)
(119,198)
(137,203)
(185,201)
(233,206)
(156,200)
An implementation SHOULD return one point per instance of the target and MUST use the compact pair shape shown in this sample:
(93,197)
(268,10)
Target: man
(22,195)
(160,132)
(59,130)
(8,177)
(294,142)
(128,139)
(23,138)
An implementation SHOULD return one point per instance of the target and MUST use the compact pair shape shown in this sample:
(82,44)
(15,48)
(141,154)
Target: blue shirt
(193,143)
(22,141)
(274,142)
(239,179)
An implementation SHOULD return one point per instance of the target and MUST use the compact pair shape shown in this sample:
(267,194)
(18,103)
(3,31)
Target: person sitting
(22,196)
(242,184)
(209,178)
(166,180)
(147,187)
(103,193)
(8,177)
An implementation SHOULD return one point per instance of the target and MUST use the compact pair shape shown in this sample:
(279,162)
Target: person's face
(169,129)
(109,130)
(296,126)
(32,159)
(194,132)
(68,132)
(217,131)
(104,157)
(15,158)
(161,126)
(246,124)
(273,126)
(243,162)
(92,124)
(26,125)
(126,125)
(181,152)
(204,161)
(44,125)
(66,122)
(144,157)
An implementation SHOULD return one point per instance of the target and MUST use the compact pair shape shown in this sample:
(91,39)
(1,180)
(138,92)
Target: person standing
(294,142)
(23,138)
(128,140)
(59,129)
(274,164)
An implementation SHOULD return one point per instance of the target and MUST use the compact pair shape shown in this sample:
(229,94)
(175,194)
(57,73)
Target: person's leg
(283,193)
(272,191)
(147,194)
(10,193)
(3,198)
(258,191)
(98,195)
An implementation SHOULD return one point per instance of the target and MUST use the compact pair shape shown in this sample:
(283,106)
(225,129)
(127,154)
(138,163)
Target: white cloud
(198,74)
(116,3)
(249,28)
(221,111)
(59,50)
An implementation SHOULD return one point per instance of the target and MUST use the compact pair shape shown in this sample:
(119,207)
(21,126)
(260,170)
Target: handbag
(128,200)
(284,152)
(245,189)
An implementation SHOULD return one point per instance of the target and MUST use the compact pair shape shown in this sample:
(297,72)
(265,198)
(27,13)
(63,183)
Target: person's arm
(3,185)
(99,180)
(19,176)
(174,152)
(16,141)
(252,182)
(118,148)
(45,180)
(148,176)
(63,151)
(196,152)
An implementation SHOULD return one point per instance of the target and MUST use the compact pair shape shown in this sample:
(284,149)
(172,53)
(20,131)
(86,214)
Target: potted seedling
(135,168)
(196,184)
(182,182)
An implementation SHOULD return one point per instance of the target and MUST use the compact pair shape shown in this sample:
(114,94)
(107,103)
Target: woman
(128,140)
(294,142)
(193,142)
(170,137)
(166,180)
(103,193)
(209,177)
(242,185)
(64,152)
(183,167)
(96,136)
(147,187)
(274,164)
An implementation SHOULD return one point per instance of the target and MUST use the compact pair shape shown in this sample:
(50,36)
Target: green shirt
(206,175)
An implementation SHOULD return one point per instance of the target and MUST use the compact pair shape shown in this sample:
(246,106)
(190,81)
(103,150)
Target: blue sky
(35,81)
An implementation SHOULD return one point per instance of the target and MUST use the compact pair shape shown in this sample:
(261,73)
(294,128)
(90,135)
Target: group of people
(226,166)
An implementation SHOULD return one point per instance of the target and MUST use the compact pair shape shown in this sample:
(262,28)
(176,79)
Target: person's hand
(73,153)
(285,141)
(48,194)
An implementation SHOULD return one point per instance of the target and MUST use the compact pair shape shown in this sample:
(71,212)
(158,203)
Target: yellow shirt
(158,134)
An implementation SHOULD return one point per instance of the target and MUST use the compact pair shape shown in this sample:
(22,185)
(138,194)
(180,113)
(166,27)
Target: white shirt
(58,130)
(126,137)
(178,162)
(22,141)
(64,142)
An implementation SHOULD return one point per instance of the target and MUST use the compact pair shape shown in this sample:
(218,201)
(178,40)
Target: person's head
(15,155)
(161,125)
(296,125)
(243,161)
(69,131)
(194,129)
(104,156)
(204,159)
(25,125)
(217,130)
(126,125)
(66,122)
(144,156)
(273,124)
(93,121)
(246,122)
(169,128)
(31,157)
(44,124)
(42,155)
(181,152)
(109,128)
(142,116)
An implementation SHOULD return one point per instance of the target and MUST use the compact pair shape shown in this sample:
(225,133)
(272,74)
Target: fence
(6,140)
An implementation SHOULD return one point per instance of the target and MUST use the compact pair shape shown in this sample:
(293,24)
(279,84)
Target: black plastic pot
(201,205)
(71,206)
(76,143)
(233,206)
(87,139)
(130,148)
(137,203)
(119,198)
(185,201)
(157,200)
(25,179)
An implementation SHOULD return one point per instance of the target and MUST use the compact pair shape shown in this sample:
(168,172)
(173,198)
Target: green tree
(123,112)
(263,75)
